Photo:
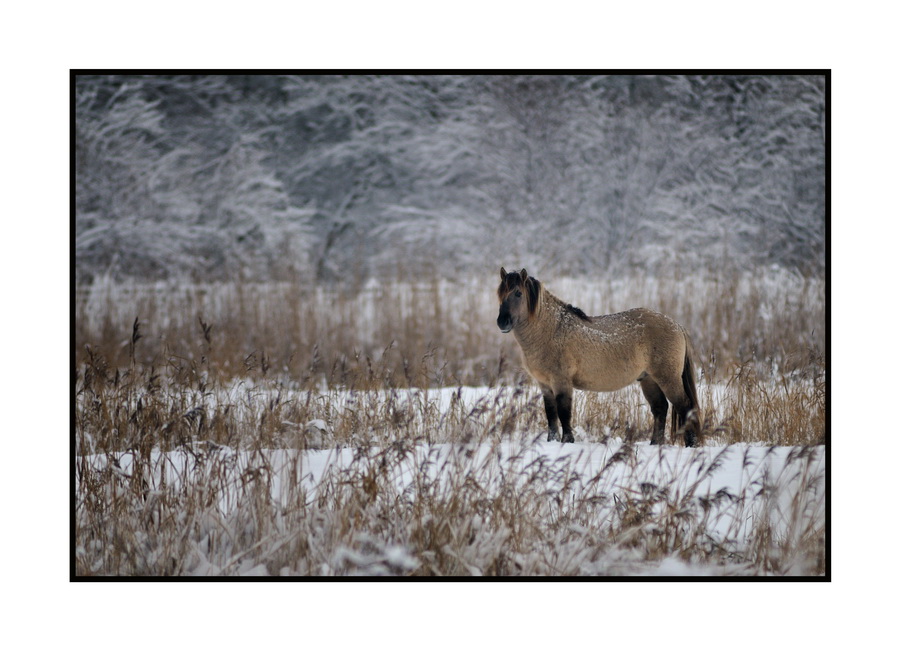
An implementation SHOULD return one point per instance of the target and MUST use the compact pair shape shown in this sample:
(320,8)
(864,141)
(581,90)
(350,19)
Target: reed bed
(260,480)
(438,332)
(388,430)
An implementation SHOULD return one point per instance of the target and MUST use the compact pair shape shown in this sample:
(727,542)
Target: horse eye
(518,293)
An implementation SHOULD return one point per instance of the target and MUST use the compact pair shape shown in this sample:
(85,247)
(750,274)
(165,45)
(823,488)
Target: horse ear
(502,274)
(524,274)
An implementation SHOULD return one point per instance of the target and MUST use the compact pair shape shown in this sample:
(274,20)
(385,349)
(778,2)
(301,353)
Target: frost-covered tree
(350,175)
(171,179)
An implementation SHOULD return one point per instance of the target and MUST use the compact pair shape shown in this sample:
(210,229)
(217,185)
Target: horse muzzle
(504,325)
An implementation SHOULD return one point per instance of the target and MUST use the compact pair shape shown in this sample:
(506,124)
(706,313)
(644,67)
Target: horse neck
(542,323)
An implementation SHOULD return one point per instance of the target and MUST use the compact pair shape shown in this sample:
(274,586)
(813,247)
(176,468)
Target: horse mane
(514,281)
(578,312)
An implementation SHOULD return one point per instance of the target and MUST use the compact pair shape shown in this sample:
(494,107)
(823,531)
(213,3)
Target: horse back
(612,351)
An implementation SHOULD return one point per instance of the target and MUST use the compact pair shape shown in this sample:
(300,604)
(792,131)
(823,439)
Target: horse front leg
(552,417)
(564,408)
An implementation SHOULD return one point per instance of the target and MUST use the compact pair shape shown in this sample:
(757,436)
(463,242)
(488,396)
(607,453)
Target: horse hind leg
(684,418)
(659,407)
(689,423)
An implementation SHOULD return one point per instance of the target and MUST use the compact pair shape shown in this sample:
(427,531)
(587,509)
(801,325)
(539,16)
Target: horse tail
(690,389)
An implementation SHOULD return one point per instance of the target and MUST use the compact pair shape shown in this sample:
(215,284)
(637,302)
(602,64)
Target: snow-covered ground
(593,507)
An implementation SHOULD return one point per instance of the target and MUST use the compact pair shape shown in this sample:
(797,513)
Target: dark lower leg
(659,407)
(688,423)
(658,438)
(552,419)
(564,408)
(690,429)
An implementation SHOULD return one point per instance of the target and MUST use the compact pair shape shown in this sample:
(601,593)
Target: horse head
(518,295)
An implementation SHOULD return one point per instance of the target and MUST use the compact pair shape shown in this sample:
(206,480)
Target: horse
(563,349)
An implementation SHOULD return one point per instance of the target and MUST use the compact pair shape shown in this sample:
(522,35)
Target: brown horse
(564,349)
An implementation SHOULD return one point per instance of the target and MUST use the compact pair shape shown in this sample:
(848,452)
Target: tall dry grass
(416,487)
(759,338)
(419,487)
(435,332)
(184,383)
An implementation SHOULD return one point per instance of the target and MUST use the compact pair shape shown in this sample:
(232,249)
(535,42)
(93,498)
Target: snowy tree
(265,177)
(181,194)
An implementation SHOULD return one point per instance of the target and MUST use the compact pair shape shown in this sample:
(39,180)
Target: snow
(742,471)
(719,493)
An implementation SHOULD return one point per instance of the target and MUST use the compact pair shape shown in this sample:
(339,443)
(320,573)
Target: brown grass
(220,376)
(432,333)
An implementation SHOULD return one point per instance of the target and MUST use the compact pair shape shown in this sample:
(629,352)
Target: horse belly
(608,379)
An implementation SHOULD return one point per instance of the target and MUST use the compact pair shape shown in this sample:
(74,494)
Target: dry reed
(211,379)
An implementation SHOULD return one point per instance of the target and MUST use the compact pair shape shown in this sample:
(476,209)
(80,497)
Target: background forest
(320,178)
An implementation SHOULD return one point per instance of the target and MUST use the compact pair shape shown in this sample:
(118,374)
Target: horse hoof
(552,436)
(568,438)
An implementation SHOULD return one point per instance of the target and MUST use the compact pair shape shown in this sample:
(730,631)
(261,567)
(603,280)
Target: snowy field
(453,503)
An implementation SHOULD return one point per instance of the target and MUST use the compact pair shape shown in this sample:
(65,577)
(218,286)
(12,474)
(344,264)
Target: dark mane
(578,312)
(530,285)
